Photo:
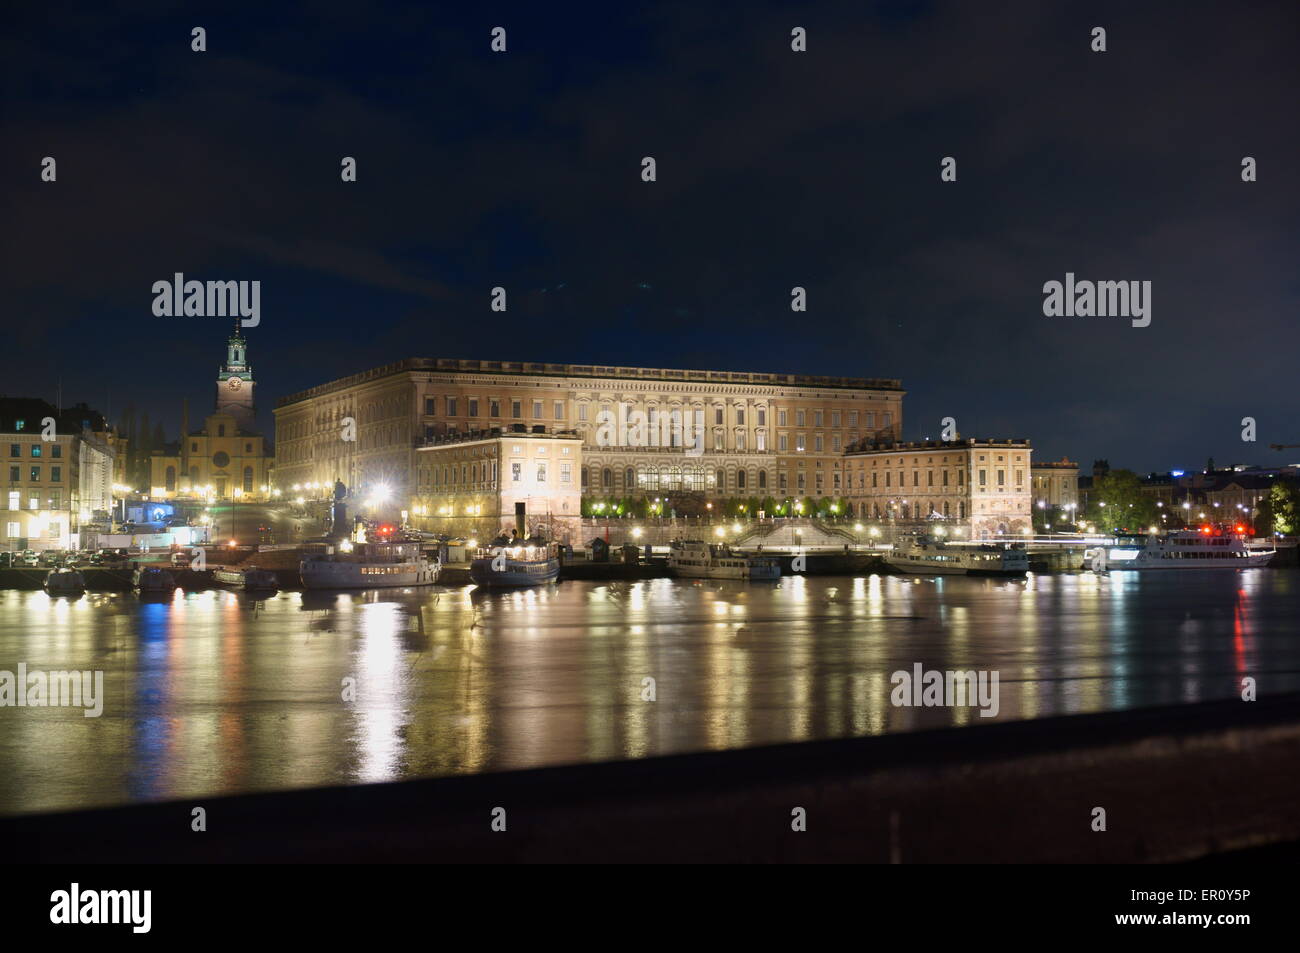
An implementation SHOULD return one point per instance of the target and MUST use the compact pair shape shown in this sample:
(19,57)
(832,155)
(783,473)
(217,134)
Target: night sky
(775,169)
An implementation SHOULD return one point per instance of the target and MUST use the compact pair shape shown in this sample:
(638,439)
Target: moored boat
(1180,550)
(510,564)
(64,582)
(693,559)
(152,579)
(247,577)
(383,565)
(927,555)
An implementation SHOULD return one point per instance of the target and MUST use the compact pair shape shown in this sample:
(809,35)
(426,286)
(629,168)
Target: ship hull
(342,575)
(515,575)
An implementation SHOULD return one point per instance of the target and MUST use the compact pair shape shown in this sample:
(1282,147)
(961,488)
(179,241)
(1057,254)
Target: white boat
(507,565)
(64,582)
(369,566)
(1183,550)
(692,559)
(248,577)
(152,579)
(927,555)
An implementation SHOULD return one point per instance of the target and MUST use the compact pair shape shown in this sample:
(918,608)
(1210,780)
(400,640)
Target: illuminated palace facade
(983,485)
(642,431)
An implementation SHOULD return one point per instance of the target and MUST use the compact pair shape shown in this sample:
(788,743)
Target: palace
(226,459)
(741,434)
(983,485)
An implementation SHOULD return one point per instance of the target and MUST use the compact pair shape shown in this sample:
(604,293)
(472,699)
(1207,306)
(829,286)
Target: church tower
(235,384)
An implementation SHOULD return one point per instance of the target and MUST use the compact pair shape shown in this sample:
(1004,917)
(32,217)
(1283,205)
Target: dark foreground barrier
(1175,783)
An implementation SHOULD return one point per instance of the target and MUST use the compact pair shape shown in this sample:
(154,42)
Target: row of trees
(1118,503)
(141,441)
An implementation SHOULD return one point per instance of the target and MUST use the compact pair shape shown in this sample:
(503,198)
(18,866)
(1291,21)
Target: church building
(227,459)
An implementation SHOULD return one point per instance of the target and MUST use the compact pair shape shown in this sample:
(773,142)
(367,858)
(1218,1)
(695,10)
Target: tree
(1118,503)
(1279,512)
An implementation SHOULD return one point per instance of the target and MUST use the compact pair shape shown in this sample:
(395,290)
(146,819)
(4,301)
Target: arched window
(248,479)
(762,479)
(946,508)
(722,481)
(607,478)
(171,478)
(740,479)
(628,480)
(961,510)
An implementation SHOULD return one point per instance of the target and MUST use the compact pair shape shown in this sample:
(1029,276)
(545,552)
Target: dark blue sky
(776,169)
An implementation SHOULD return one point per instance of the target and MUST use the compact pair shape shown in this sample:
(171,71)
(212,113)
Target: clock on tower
(235,383)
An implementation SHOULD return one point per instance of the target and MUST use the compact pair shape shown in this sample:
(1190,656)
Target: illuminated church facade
(227,459)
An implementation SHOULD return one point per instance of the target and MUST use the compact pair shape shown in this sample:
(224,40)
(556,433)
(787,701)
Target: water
(216,692)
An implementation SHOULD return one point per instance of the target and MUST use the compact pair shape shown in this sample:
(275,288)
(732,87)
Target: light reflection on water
(215,692)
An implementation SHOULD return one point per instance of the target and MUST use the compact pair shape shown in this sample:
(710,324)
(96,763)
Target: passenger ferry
(927,555)
(693,559)
(510,564)
(1183,550)
(249,577)
(365,565)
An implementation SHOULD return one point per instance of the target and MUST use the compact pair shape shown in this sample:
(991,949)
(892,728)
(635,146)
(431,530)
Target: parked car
(6,560)
(30,558)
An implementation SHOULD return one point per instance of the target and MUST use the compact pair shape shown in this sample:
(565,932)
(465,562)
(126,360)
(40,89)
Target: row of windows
(452,407)
(54,501)
(15,474)
(470,474)
(16,450)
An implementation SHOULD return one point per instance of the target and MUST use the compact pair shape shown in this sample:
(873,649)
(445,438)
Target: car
(30,558)
(181,560)
(6,560)
(113,559)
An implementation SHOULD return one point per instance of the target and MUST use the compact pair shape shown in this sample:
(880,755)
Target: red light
(1241,529)
(1205,529)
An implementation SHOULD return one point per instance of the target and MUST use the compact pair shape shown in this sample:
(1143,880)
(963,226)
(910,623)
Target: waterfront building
(226,459)
(469,484)
(645,432)
(979,486)
(1055,489)
(59,481)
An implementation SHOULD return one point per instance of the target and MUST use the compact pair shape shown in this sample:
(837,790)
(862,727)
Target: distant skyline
(775,169)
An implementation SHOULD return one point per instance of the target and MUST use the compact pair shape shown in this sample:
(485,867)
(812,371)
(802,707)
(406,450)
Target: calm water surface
(215,692)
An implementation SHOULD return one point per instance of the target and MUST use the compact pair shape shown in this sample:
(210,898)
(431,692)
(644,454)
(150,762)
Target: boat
(64,582)
(511,564)
(926,555)
(152,579)
(369,565)
(693,559)
(248,577)
(1186,549)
